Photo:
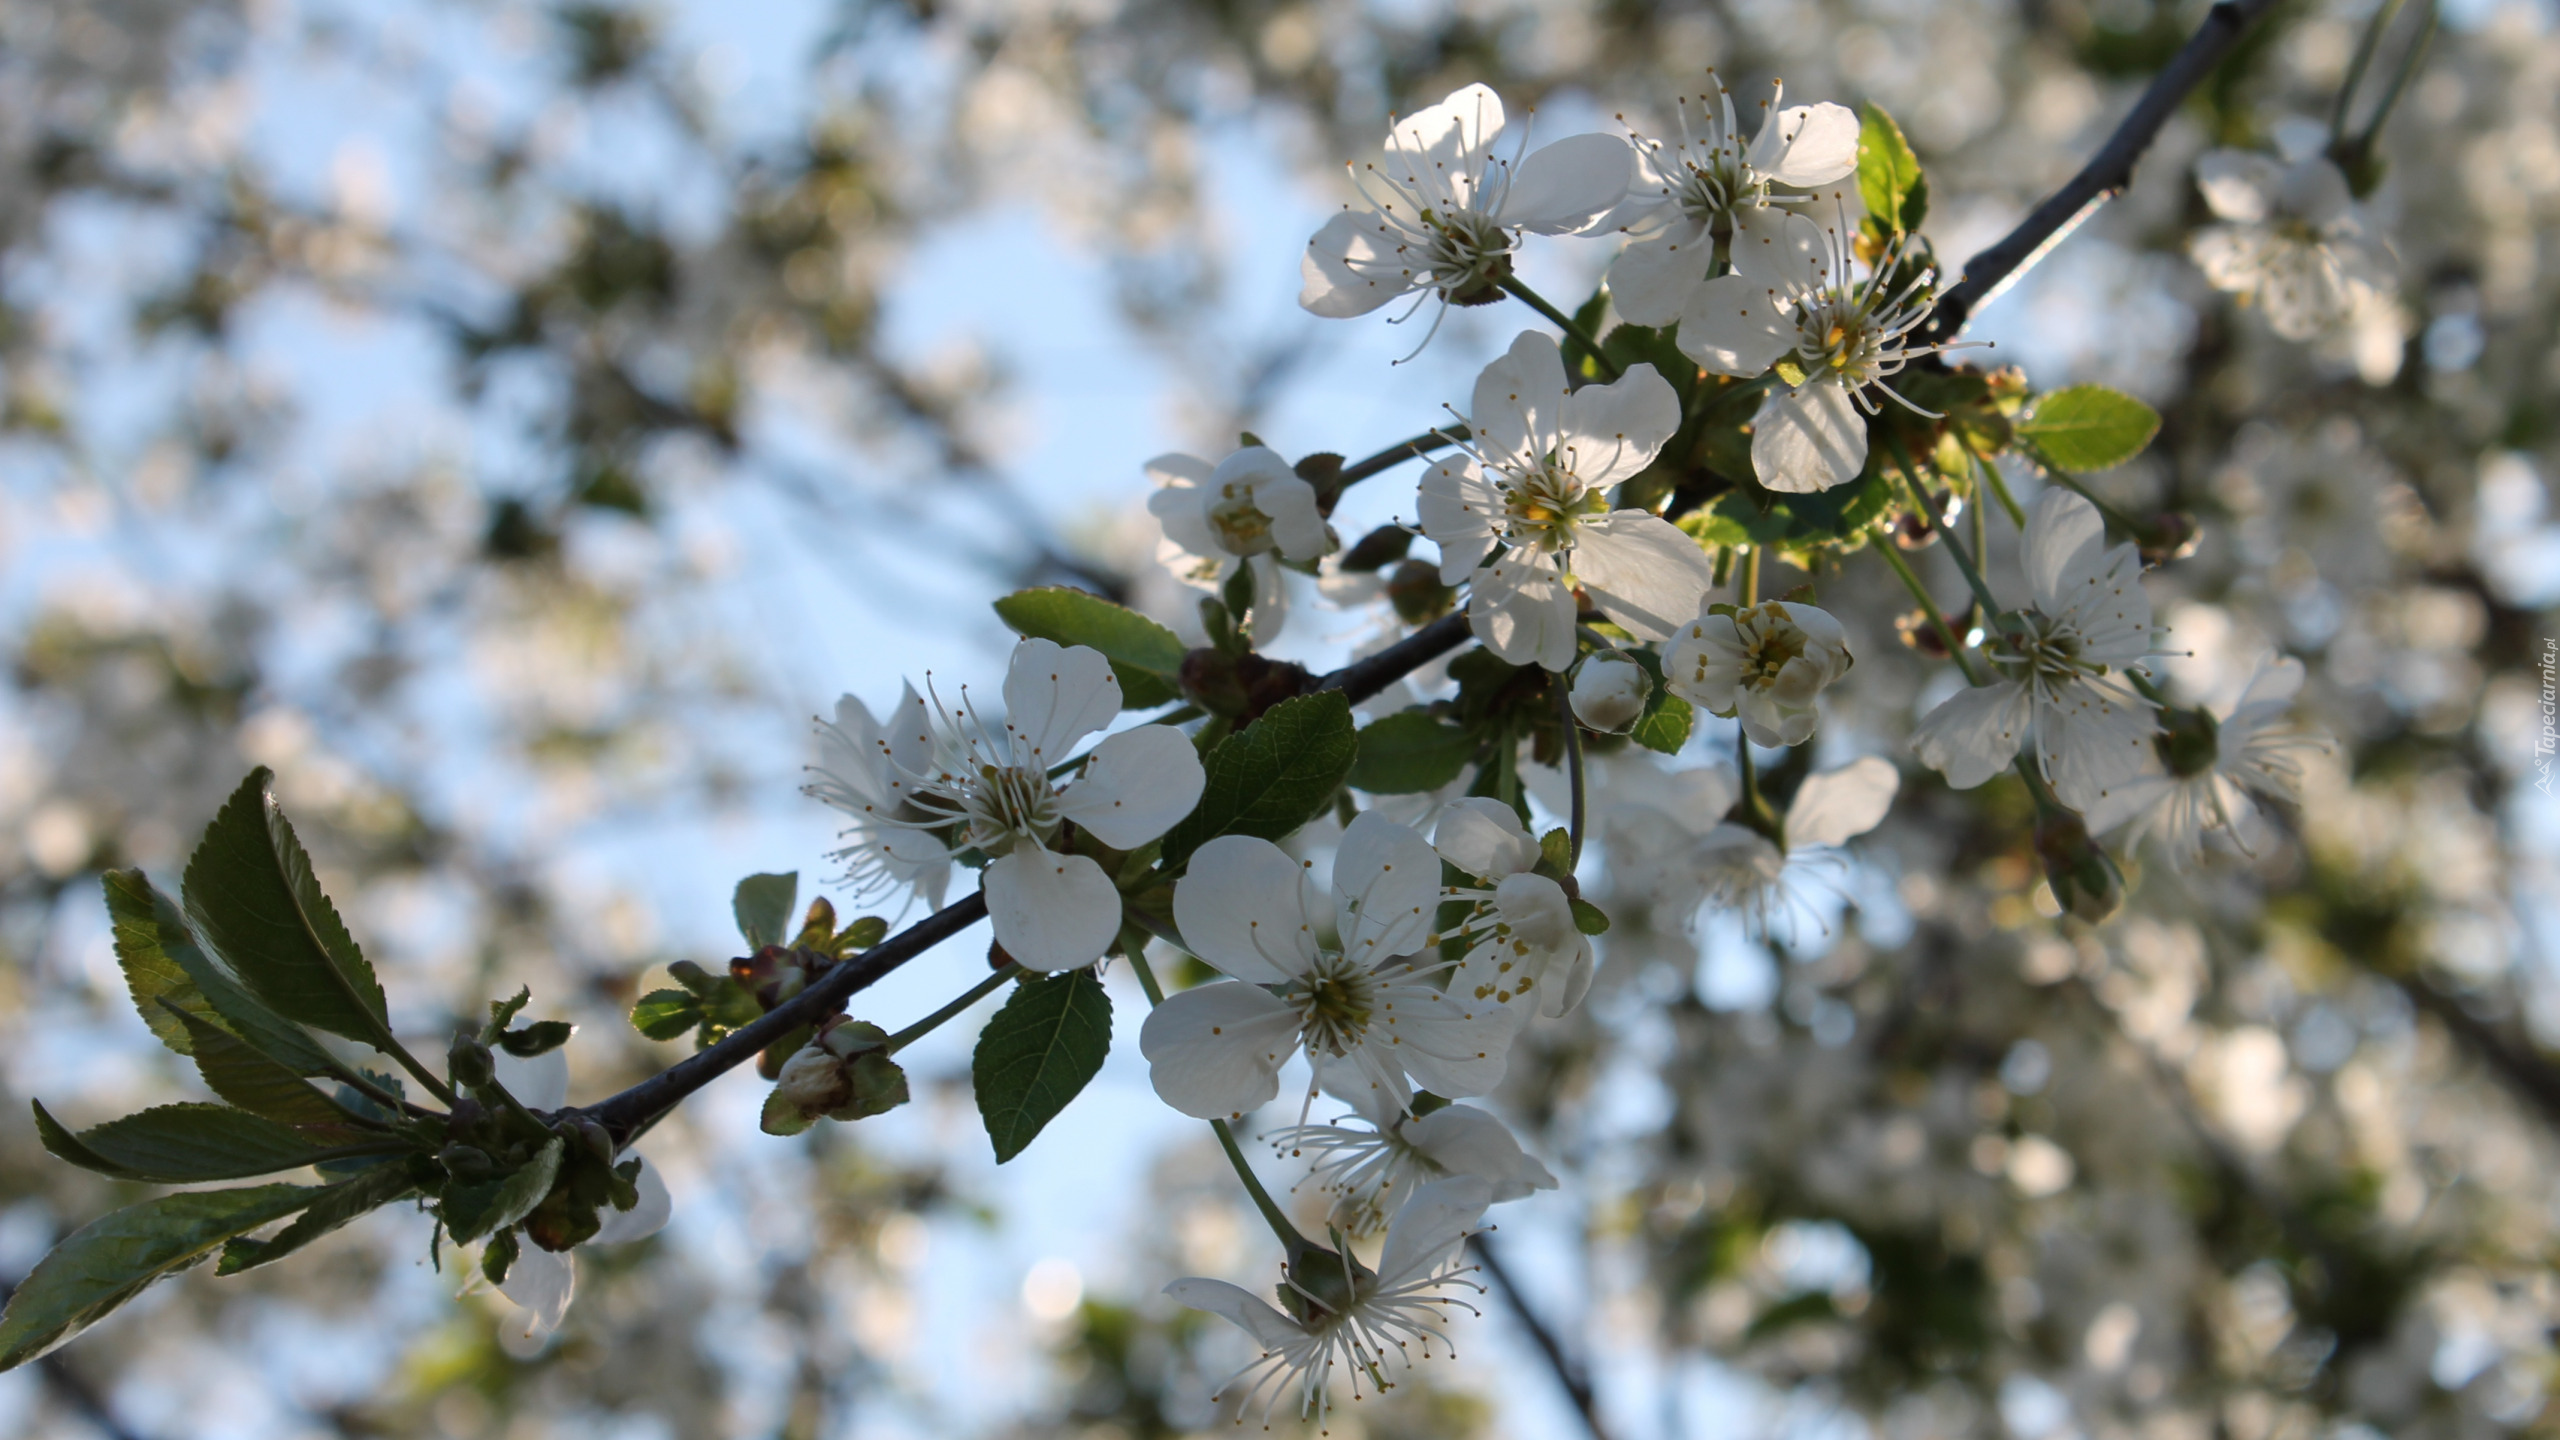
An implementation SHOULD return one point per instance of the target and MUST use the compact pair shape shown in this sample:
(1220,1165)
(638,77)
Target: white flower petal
(542,1283)
(1645,572)
(1350,268)
(1523,611)
(1054,696)
(1519,399)
(642,1220)
(1838,805)
(1651,280)
(1975,734)
(1563,187)
(1615,430)
(1431,1227)
(1732,326)
(1464,1140)
(1439,146)
(2065,537)
(1217,1050)
(1270,1329)
(1386,884)
(1247,908)
(1051,911)
(1808,145)
(1270,599)
(1485,838)
(2240,185)
(1138,783)
(1458,506)
(1809,439)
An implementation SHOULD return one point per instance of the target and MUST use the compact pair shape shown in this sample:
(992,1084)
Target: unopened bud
(465,1162)
(817,927)
(469,1062)
(1610,691)
(1377,550)
(772,974)
(597,1139)
(2169,535)
(2085,880)
(1415,590)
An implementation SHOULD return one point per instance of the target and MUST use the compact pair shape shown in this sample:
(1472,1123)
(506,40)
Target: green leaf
(1889,177)
(182,1144)
(666,1014)
(335,1206)
(1146,656)
(234,1070)
(2083,428)
(1270,777)
(161,989)
(109,1261)
(1667,719)
(1037,1053)
(471,1211)
(763,904)
(251,893)
(1410,751)
(1590,919)
(244,1014)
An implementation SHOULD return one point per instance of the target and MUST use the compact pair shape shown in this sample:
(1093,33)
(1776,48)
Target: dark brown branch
(1402,451)
(2106,174)
(1568,1372)
(2514,1059)
(1366,677)
(625,1113)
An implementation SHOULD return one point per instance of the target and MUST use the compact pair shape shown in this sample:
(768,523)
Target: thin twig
(2106,174)
(1568,1371)
(1401,451)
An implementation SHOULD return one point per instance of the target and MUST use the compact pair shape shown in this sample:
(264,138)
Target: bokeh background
(513,421)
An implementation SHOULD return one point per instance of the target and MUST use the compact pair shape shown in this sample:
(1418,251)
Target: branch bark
(1568,1372)
(2107,173)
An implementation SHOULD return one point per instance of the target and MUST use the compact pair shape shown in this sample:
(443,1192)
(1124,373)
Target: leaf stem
(967,998)
(1929,607)
(1290,1239)
(1513,285)
(1573,765)
(1920,497)
(2000,488)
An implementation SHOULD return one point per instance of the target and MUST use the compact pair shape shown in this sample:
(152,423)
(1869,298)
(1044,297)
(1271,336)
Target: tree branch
(1568,1372)
(1366,677)
(2106,174)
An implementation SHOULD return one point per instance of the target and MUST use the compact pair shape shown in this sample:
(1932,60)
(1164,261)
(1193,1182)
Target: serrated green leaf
(763,905)
(1042,1048)
(2085,428)
(471,1211)
(244,1014)
(234,1070)
(333,1208)
(109,1261)
(1408,752)
(253,898)
(161,989)
(1146,656)
(666,1014)
(182,1144)
(1889,176)
(1665,725)
(1270,777)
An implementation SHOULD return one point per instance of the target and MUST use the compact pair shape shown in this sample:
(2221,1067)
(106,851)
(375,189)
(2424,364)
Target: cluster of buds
(843,1073)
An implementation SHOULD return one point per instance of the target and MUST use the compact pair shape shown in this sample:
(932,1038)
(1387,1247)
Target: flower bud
(2085,880)
(1609,692)
(843,1074)
(772,974)
(469,1062)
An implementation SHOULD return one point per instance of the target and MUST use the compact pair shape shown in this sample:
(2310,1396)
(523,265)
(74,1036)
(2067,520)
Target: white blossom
(1387,1313)
(1792,305)
(1371,1168)
(1250,509)
(1519,931)
(921,793)
(2291,240)
(1712,188)
(1674,846)
(1331,978)
(1444,210)
(2207,768)
(1765,665)
(1541,461)
(2059,666)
